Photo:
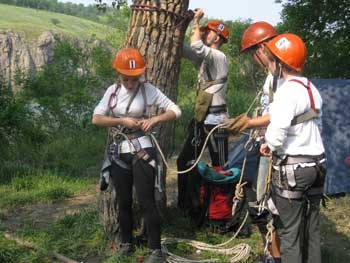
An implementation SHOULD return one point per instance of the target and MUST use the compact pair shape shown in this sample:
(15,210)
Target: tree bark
(157,29)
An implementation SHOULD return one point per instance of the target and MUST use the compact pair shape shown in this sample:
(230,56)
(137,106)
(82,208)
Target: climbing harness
(311,113)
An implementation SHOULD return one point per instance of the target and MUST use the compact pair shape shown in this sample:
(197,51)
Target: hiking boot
(125,249)
(157,256)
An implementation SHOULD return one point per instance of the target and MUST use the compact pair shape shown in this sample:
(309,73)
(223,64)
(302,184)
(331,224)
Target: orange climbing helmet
(129,62)
(218,27)
(257,33)
(289,49)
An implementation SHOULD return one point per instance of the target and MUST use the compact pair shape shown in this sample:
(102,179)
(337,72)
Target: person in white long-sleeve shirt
(126,107)
(204,51)
(256,166)
(298,160)
(290,100)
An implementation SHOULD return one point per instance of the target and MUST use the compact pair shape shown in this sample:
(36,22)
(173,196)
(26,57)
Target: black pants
(298,222)
(142,176)
(188,183)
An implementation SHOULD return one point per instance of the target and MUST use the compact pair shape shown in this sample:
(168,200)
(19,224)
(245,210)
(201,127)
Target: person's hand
(238,124)
(147,124)
(131,123)
(198,14)
(265,150)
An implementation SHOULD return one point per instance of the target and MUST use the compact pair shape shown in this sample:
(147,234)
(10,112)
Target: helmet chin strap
(276,75)
(260,60)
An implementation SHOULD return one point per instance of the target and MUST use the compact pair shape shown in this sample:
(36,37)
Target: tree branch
(30,245)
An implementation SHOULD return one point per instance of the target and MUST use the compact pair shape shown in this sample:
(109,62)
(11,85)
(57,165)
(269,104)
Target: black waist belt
(217,108)
(131,133)
(294,159)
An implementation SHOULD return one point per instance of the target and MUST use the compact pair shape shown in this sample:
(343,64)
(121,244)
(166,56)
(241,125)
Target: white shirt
(290,100)
(154,97)
(216,63)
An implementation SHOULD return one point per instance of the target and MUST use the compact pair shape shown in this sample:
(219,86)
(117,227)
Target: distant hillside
(28,38)
(90,12)
(33,22)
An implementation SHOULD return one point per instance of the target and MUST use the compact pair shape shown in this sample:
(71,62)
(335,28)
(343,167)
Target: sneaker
(157,256)
(125,249)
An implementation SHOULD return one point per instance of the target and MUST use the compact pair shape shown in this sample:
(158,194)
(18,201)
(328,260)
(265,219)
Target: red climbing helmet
(289,49)
(129,62)
(257,33)
(218,27)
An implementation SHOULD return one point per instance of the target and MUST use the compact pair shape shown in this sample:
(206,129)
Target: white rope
(225,124)
(198,158)
(239,252)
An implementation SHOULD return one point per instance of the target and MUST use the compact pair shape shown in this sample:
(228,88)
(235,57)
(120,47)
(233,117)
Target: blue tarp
(336,132)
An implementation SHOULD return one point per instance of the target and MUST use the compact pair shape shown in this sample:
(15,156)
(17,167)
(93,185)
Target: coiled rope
(239,252)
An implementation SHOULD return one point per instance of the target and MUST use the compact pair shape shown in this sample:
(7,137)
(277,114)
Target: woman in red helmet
(294,141)
(126,106)
(210,108)
(254,40)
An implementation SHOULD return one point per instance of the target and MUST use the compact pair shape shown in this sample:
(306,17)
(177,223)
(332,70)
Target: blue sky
(257,10)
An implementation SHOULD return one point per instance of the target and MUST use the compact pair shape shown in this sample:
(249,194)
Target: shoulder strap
(311,113)
(208,72)
(143,91)
(131,100)
(312,103)
(273,86)
(206,84)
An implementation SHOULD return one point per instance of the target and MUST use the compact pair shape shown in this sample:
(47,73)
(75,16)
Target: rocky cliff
(19,55)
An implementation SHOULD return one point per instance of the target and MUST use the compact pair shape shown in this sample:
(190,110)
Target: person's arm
(171,111)
(147,124)
(261,121)
(196,33)
(188,53)
(109,121)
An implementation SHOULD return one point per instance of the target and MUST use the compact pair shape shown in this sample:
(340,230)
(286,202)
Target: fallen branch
(35,247)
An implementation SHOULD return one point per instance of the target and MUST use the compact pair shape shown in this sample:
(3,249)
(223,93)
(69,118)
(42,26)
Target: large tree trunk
(157,29)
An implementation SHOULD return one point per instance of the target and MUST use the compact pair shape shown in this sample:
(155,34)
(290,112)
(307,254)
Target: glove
(238,124)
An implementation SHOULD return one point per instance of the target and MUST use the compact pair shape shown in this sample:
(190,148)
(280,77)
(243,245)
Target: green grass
(335,228)
(33,22)
(80,236)
(76,236)
(41,186)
